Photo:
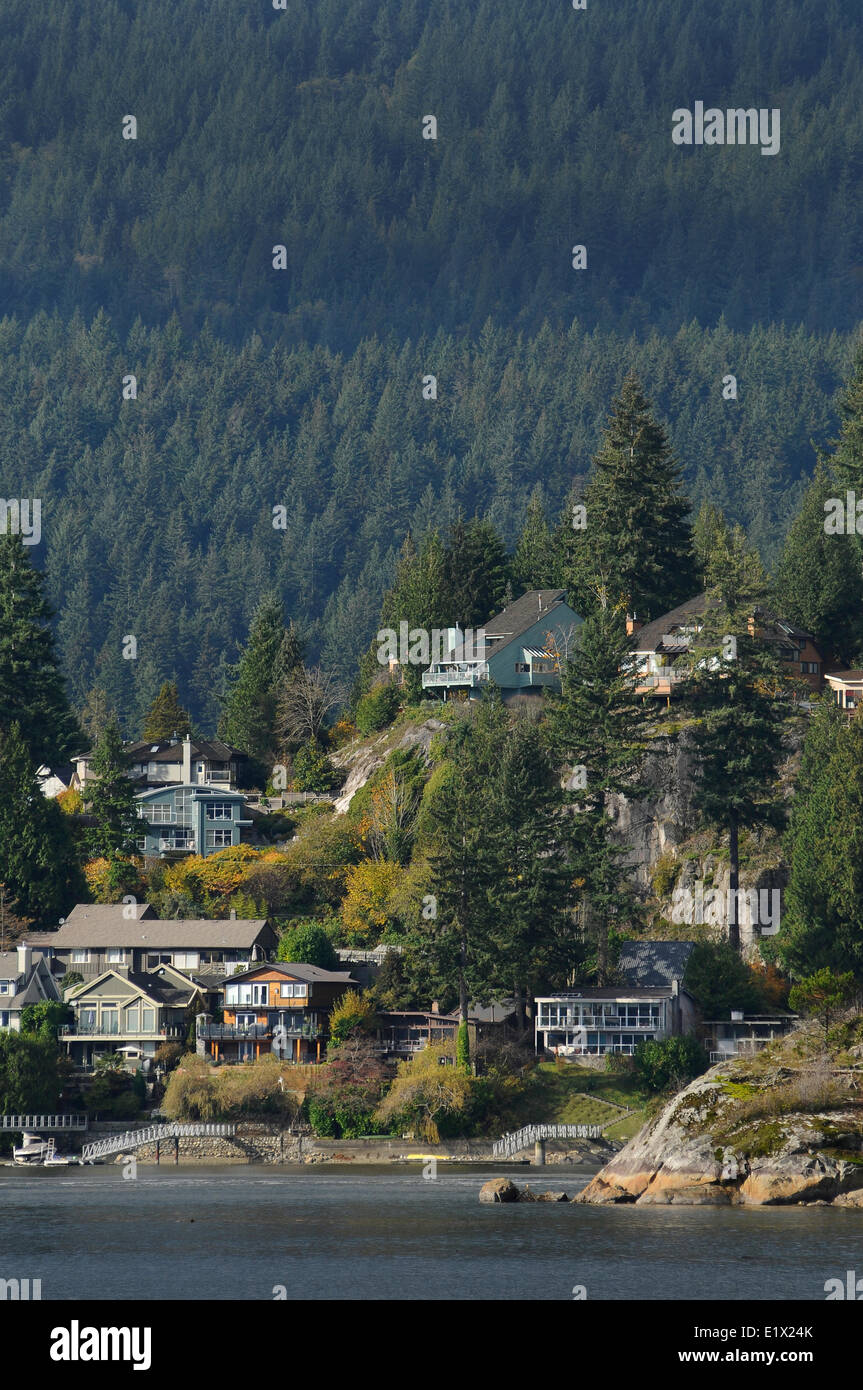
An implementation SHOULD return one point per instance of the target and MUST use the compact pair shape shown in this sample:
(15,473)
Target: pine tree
(534,565)
(476,570)
(32,693)
(708,535)
(271,655)
(819,584)
(37,857)
(736,687)
(599,729)
(638,549)
(166,716)
(110,798)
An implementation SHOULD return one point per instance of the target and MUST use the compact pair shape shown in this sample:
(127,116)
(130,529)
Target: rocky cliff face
(747,1133)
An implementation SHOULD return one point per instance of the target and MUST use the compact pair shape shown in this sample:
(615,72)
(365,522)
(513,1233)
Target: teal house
(521,651)
(189,819)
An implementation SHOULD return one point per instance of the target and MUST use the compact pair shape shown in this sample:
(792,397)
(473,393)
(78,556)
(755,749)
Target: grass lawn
(575,1095)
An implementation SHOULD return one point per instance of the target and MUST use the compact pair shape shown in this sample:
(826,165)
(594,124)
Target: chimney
(435,1008)
(233,914)
(187,760)
(25,958)
(633,624)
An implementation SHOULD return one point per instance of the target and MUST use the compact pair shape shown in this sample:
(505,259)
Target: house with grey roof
(651,963)
(280,1007)
(132,1013)
(521,651)
(189,819)
(175,762)
(95,938)
(25,978)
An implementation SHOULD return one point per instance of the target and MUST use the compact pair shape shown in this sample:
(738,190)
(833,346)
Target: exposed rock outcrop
(744,1135)
(499,1190)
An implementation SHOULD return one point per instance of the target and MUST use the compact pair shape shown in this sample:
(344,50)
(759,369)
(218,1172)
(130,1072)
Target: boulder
(499,1190)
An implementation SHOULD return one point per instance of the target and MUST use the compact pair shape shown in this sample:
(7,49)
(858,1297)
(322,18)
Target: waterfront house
(175,762)
(280,1007)
(175,821)
(25,978)
(524,649)
(97,937)
(660,648)
(131,1013)
(592,1022)
(846,688)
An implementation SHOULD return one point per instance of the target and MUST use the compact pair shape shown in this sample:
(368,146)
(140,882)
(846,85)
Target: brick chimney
(633,624)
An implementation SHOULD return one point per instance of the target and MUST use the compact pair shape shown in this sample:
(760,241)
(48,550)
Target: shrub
(313,771)
(669,1063)
(378,708)
(309,943)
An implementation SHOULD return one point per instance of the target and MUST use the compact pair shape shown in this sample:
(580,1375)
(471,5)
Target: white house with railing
(591,1022)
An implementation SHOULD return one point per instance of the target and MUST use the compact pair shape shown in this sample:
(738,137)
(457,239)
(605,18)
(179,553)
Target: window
(133,1019)
(148,1020)
(4,1018)
(81,956)
(160,812)
(219,810)
(218,839)
(294,990)
(186,960)
(4,986)
(141,844)
(116,956)
(110,1018)
(157,958)
(86,1019)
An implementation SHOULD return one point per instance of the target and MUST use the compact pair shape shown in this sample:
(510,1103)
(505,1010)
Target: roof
(649,638)
(849,677)
(116,930)
(297,970)
(201,790)
(651,963)
(620,992)
(101,912)
(148,982)
(171,751)
(517,617)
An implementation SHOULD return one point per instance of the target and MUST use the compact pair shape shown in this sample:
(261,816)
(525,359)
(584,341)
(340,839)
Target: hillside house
(660,648)
(282,1008)
(25,978)
(523,651)
(190,819)
(847,688)
(592,1022)
(95,938)
(175,762)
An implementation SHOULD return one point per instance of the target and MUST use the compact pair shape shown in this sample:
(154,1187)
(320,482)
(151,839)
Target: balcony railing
(178,845)
(598,1021)
(97,1030)
(217,1032)
(456,675)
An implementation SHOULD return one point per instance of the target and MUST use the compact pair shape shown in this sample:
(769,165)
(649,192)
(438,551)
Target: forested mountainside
(303,388)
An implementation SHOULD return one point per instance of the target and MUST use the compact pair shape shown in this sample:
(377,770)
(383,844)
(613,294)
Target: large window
(219,838)
(294,990)
(110,1019)
(220,810)
(148,1020)
(116,955)
(86,1019)
(159,812)
(133,1019)
(186,960)
(81,956)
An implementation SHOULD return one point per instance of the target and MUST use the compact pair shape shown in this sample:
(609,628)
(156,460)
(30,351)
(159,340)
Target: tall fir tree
(599,730)
(38,866)
(534,564)
(166,717)
(271,655)
(32,692)
(110,799)
(476,571)
(637,547)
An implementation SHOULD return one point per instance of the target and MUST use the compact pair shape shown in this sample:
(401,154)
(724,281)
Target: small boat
(35,1149)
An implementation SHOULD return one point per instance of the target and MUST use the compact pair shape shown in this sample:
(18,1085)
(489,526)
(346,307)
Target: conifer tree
(271,656)
(166,716)
(534,565)
(598,728)
(737,689)
(476,570)
(32,693)
(638,543)
(37,857)
(110,798)
(819,584)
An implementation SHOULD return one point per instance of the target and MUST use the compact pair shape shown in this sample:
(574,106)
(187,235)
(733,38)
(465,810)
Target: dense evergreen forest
(303,388)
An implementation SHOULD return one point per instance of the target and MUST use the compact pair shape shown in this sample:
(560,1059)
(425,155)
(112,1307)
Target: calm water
(381,1233)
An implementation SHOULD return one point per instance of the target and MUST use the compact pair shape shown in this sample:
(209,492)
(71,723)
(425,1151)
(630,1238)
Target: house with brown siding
(282,1008)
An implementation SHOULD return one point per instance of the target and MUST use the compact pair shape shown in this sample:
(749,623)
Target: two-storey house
(521,651)
(175,762)
(130,1013)
(281,1008)
(189,820)
(25,978)
(95,938)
